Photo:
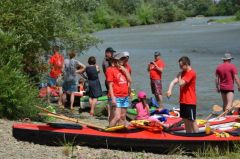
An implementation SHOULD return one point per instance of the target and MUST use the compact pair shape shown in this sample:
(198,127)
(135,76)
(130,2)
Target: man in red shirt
(155,69)
(56,63)
(226,73)
(188,100)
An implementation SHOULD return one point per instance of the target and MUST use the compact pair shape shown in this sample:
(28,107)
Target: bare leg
(122,121)
(60,99)
(193,126)
(64,98)
(48,94)
(116,118)
(92,105)
(112,110)
(159,99)
(230,97)
(187,127)
(224,98)
(72,100)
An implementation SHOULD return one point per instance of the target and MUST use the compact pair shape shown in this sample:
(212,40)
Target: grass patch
(227,20)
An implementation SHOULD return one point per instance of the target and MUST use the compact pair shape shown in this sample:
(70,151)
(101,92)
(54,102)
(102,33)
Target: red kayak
(136,139)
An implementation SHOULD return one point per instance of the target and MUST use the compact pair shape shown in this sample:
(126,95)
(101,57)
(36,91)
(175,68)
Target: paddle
(48,113)
(215,108)
(236,104)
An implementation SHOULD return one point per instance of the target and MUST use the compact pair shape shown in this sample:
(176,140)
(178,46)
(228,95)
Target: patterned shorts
(156,86)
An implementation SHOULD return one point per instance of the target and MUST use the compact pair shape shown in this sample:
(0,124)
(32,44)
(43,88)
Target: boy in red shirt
(226,74)
(188,100)
(118,79)
(155,69)
(56,63)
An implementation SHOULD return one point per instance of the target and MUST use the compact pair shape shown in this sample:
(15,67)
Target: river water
(204,43)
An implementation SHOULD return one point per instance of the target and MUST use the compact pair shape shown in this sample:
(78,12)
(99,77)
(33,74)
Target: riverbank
(11,148)
(232,19)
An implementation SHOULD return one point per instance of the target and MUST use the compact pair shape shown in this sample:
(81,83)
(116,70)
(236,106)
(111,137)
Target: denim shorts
(69,86)
(122,102)
(52,81)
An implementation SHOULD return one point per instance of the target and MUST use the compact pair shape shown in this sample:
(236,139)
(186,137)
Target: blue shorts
(122,102)
(52,81)
(69,86)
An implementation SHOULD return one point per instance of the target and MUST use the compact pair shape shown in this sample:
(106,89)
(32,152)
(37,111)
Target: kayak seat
(200,134)
(65,125)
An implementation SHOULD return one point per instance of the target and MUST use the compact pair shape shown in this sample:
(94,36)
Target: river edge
(14,149)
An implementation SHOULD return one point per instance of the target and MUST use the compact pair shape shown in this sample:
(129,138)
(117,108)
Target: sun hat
(227,56)
(157,53)
(110,49)
(118,56)
(142,94)
(126,54)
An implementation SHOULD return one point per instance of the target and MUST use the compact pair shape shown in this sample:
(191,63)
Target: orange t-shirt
(154,73)
(120,83)
(188,91)
(57,62)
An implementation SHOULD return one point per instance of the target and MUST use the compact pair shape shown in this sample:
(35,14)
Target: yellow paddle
(215,108)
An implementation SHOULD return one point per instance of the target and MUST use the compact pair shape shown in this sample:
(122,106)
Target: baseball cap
(142,94)
(118,56)
(110,49)
(157,53)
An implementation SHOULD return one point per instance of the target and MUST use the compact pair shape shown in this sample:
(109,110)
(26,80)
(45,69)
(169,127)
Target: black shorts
(226,91)
(188,111)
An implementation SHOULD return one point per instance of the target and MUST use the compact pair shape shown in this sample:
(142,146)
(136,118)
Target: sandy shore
(13,149)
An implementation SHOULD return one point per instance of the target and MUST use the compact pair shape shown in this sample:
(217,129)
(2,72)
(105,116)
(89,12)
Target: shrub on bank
(18,96)
(237,15)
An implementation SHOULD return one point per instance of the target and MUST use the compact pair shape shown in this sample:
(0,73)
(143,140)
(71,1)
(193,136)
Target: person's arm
(158,68)
(98,69)
(181,82)
(113,98)
(217,83)
(128,76)
(237,81)
(148,68)
(104,67)
(172,84)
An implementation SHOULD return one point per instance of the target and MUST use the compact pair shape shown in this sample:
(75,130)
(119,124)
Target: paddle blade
(217,108)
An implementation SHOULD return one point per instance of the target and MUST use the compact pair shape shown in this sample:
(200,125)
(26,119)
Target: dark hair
(91,60)
(185,60)
(72,54)
(144,102)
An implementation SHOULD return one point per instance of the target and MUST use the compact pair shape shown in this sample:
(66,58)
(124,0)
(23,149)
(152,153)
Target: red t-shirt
(154,73)
(56,61)
(188,91)
(120,83)
(226,72)
(128,67)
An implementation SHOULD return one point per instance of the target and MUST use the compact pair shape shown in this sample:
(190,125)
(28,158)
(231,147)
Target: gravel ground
(13,149)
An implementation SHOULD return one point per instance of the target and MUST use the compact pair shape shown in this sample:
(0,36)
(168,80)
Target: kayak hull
(130,140)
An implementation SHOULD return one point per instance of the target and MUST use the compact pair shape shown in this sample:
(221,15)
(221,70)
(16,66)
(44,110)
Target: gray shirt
(70,67)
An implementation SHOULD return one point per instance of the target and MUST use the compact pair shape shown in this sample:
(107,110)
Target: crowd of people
(117,71)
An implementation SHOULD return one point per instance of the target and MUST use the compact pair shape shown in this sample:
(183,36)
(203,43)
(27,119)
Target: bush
(237,15)
(103,16)
(145,13)
(119,22)
(133,20)
(18,96)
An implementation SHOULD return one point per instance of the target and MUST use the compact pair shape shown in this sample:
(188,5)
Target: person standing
(226,74)
(118,78)
(56,63)
(69,76)
(155,69)
(95,89)
(186,79)
(107,62)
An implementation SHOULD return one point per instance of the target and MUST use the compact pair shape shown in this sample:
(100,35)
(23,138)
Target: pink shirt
(225,73)
(141,112)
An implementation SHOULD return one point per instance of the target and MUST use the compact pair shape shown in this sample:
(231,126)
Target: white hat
(126,54)
(118,56)
(227,56)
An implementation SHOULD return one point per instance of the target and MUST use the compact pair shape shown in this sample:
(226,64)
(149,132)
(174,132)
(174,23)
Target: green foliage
(145,13)
(237,15)
(18,96)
